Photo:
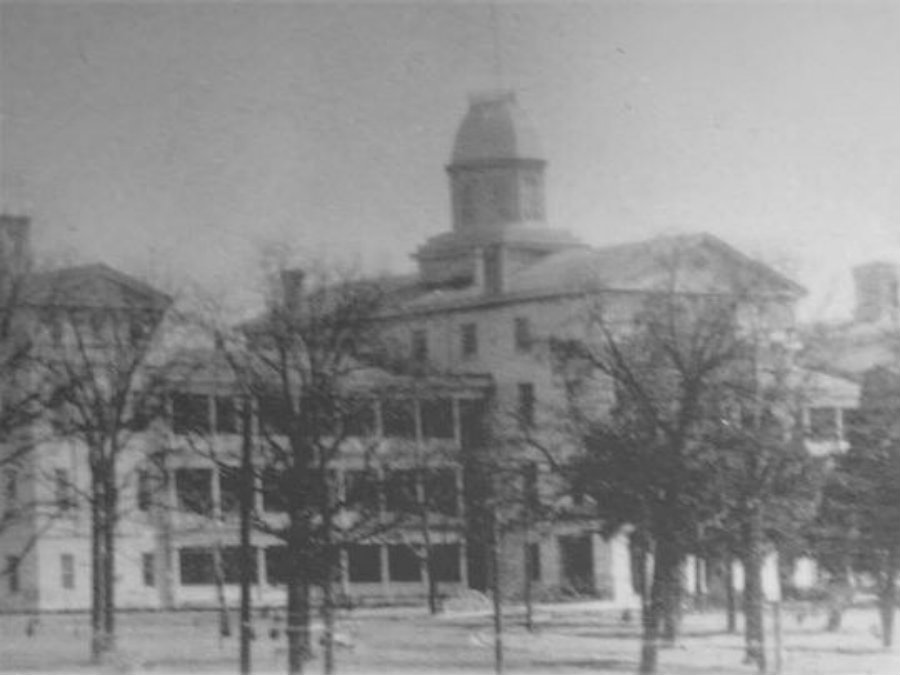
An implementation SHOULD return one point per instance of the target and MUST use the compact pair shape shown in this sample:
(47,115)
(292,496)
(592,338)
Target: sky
(183,141)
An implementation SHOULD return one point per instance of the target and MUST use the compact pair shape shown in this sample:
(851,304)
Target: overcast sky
(175,139)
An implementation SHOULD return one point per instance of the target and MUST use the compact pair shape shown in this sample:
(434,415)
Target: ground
(568,639)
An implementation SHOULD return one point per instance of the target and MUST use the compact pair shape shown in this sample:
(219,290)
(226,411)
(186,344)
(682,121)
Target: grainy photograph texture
(467,337)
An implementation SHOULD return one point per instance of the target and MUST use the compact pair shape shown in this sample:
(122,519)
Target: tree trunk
(219,574)
(654,608)
(730,599)
(297,625)
(529,610)
(328,623)
(754,634)
(496,592)
(887,600)
(97,571)
(672,612)
(246,506)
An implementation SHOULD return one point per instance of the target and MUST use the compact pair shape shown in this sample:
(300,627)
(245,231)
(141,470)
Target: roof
(495,128)
(92,286)
(696,263)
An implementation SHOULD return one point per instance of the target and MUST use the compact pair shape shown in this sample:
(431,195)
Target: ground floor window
(364,563)
(12,572)
(403,563)
(67,569)
(533,551)
(148,569)
(445,562)
(196,566)
(276,564)
(231,565)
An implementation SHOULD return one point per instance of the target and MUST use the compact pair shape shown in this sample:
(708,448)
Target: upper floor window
(148,569)
(525,407)
(65,495)
(229,489)
(437,418)
(522,334)
(11,488)
(145,487)
(274,415)
(469,339)
(823,424)
(67,570)
(193,488)
(398,418)
(420,345)
(12,573)
(190,413)
(226,415)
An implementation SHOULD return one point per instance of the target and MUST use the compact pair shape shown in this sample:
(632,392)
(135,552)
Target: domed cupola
(497,189)
(497,168)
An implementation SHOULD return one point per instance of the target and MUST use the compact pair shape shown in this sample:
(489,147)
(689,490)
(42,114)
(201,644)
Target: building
(473,319)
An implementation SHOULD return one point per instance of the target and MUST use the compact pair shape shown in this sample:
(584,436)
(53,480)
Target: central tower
(497,168)
(496,174)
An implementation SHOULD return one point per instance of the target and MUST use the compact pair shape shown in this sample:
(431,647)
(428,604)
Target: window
(526,404)
(226,415)
(359,417)
(190,414)
(274,415)
(530,484)
(403,563)
(229,489)
(533,560)
(420,345)
(398,418)
(823,424)
(196,566)
(12,571)
(440,491)
(11,489)
(144,490)
(65,499)
(445,562)
(276,564)
(361,490)
(469,339)
(231,565)
(193,488)
(67,568)
(522,334)
(364,563)
(400,491)
(437,418)
(274,487)
(148,569)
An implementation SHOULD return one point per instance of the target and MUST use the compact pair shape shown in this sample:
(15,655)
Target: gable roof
(92,286)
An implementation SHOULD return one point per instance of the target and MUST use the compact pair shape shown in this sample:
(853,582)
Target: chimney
(15,243)
(292,287)
(877,294)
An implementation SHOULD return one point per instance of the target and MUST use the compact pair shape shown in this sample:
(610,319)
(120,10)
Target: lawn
(577,639)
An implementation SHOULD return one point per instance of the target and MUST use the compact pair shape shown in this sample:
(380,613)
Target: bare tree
(105,392)
(304,362)
(668,359)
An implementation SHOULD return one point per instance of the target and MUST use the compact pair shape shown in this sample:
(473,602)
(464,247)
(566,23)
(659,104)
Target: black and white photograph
(413,336)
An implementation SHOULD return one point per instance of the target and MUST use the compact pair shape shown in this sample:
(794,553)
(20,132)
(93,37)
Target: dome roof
(495,127)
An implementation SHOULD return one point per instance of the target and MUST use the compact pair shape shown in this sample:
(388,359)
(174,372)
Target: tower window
(469,338)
